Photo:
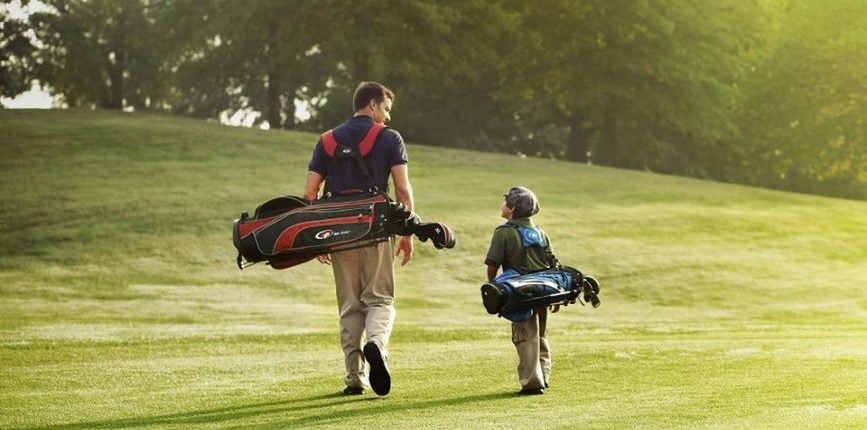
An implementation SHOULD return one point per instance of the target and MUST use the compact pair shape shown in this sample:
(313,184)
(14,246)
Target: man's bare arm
(402,187)
(311,188)
(403,194)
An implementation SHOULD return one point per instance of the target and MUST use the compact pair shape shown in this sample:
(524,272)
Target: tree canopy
(765,92)
(16,49)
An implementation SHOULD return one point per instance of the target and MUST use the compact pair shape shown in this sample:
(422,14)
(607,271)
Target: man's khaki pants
(365,292)
(534,356)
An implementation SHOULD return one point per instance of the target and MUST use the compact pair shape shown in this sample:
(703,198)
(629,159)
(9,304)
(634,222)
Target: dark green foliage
(806,111)
(15,51)
(768,92)
(97,53)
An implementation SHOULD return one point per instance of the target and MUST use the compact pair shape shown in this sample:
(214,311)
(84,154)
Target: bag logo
(325,234)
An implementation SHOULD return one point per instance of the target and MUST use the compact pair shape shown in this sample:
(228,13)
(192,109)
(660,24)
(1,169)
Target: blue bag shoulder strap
(532,236)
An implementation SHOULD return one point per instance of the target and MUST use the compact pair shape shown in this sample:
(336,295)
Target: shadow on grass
(308,406)
(391,409)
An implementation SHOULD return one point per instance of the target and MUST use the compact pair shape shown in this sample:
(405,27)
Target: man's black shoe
(380,379)
(531,391)
(353,391)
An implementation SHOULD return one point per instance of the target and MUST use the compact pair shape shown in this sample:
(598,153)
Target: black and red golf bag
(286,231)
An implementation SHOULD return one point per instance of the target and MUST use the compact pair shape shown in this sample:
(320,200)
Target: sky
(35,98)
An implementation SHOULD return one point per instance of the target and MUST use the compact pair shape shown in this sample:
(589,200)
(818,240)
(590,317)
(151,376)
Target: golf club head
(592,283)
(439,234)
(591,291)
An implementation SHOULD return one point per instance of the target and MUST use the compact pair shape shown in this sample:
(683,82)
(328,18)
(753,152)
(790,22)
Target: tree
(447,61)
(641,84)
(101,53)
(805,115)
(16,49)
(259,56)
(719,90)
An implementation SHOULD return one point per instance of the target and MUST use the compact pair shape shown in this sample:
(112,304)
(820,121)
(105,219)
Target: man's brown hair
(370,90)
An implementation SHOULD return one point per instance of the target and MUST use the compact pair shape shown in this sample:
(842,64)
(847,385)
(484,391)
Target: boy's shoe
(380,379)
(353,391)
(531,391)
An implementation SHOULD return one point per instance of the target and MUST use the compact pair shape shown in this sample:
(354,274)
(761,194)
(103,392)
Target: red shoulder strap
(364,148)
(328,143)
(366,144)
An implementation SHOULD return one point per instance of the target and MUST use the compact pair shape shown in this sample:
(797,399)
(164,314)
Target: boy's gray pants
(534,355)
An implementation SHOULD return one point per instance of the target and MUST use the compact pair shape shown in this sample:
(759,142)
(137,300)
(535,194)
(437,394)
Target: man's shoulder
(390,135)
(390,148)
(357,127)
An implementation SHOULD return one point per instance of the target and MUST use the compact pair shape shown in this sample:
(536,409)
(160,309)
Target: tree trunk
(116,79)
(608,151)
(274,106)
(117,64)
(289,111)
(578,148)
(360,68)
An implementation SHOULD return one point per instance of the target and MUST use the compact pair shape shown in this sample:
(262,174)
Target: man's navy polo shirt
(388,151)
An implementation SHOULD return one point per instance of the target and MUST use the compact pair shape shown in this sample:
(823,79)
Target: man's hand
(404,245)
(554,308)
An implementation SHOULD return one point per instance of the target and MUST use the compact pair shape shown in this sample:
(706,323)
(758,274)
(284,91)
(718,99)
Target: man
(364,277)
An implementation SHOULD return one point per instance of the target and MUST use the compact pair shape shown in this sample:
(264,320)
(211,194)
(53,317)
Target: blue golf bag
(513,296)
(515,293)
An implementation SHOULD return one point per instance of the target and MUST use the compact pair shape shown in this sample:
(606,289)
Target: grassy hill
(121,307)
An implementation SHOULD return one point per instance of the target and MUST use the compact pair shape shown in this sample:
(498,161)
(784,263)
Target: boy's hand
(324,258)
(404,245)
(554,308)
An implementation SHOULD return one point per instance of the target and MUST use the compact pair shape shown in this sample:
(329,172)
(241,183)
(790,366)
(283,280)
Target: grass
(120,306)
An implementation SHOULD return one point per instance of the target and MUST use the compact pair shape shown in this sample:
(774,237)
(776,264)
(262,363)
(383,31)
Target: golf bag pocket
(314,229)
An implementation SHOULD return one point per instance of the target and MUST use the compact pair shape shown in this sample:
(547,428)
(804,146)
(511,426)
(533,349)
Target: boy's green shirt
(506,247)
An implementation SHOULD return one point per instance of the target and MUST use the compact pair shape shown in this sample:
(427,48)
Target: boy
(511,249)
